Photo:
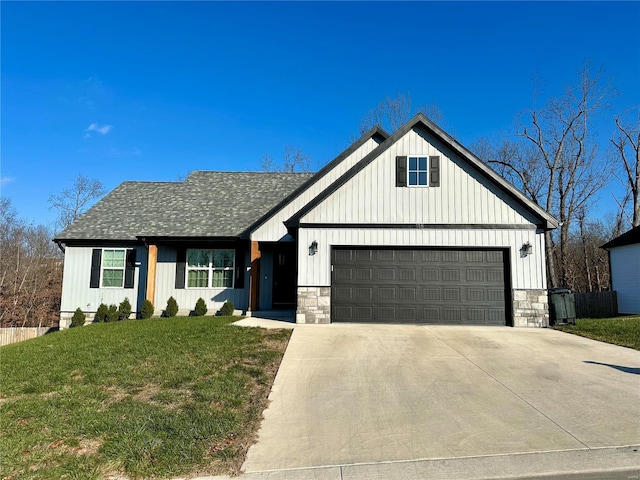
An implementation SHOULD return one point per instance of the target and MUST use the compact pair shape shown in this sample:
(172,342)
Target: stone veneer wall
(314,305)
(530,308)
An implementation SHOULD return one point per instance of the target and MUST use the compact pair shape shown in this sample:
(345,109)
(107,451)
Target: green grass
(624,331)
(140,399)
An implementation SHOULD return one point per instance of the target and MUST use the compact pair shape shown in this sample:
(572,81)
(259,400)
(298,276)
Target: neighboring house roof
(206,204)
(548,221)
(628,238)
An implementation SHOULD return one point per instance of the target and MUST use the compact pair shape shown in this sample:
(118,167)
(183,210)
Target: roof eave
(377,133)
(549,222)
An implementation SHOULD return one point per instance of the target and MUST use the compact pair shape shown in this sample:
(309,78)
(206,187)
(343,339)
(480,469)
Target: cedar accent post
(151,273)
(254,281)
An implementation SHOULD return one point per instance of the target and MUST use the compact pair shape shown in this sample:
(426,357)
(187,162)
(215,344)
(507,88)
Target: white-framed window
(417,172)
(210,268)
(113,266)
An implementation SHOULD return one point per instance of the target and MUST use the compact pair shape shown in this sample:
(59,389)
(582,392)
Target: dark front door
(284,276)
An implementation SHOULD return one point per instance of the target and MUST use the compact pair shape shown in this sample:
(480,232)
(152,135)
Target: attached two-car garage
(430,286)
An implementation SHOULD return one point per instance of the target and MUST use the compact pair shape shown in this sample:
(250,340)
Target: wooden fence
(596,304)
(19,334)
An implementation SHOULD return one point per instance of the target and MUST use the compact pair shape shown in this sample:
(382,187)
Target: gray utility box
(562,306)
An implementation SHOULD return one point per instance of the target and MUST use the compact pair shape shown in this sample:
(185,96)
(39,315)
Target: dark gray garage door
(418,286)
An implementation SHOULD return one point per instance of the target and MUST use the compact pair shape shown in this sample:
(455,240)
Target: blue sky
(153,90)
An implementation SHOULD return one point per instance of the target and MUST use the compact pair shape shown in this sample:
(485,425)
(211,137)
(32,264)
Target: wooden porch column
(254,282)
(152,261)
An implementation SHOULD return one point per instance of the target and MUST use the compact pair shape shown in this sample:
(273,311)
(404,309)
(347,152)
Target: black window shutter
(239,280)
(181,266)
(401,171)
(130,268)
(96,263)
(434,171)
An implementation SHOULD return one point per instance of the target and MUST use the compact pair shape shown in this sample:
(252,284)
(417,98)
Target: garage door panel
(364,274)
(407,314)
(407,274)
(407,293)
(364,293)
(343,293)
(475,275)
(430,275)
(388,274)
(386,255)
(386,314)
(451,294)
(451,275)
(495,275)
(419,286)
(386,293)
(431,294)
(363,313)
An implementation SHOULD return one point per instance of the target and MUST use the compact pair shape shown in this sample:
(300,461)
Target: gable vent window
(418,171)
(210,268)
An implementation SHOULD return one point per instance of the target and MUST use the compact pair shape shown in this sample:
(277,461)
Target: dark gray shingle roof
(206,204)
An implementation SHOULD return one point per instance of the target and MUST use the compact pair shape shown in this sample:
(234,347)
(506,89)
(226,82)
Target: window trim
(210,269)
(103,268)
(418,170)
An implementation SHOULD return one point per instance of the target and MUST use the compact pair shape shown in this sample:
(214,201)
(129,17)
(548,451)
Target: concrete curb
(608,462)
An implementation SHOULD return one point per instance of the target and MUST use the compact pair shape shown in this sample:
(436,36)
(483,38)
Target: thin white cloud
(6,180)
(101,129)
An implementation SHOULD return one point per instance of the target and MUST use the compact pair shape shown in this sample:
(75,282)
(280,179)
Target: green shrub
(124,310)
(102,314)
(201,308)
(172,308)
(78,318)
(112,315)
(146,311)
(227,309)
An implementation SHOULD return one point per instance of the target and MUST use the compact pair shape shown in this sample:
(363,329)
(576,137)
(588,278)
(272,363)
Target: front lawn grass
(136,399)
(624,331)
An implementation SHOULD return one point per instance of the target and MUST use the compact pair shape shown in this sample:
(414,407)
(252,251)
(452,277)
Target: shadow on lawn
(633,370)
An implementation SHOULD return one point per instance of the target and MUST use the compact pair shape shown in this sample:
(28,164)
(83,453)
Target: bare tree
(627,142)
(392,113)
(30,272)
(588,264)
(72,202)
(566,158)
(293,160)
(519,163)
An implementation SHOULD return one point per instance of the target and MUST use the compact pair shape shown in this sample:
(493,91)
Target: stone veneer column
(314,305)
(530,308)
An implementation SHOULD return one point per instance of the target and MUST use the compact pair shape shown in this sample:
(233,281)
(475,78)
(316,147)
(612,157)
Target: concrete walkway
(363,401)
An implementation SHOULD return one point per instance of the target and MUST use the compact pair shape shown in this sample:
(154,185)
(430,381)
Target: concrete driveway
(360,394)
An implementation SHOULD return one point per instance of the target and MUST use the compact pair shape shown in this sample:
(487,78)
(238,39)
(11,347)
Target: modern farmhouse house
(403,228)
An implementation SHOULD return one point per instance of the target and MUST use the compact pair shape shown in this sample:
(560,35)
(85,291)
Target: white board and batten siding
(526,272)
(463,197)
(625,277)
(273,229)
(76,292)
(187,297)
